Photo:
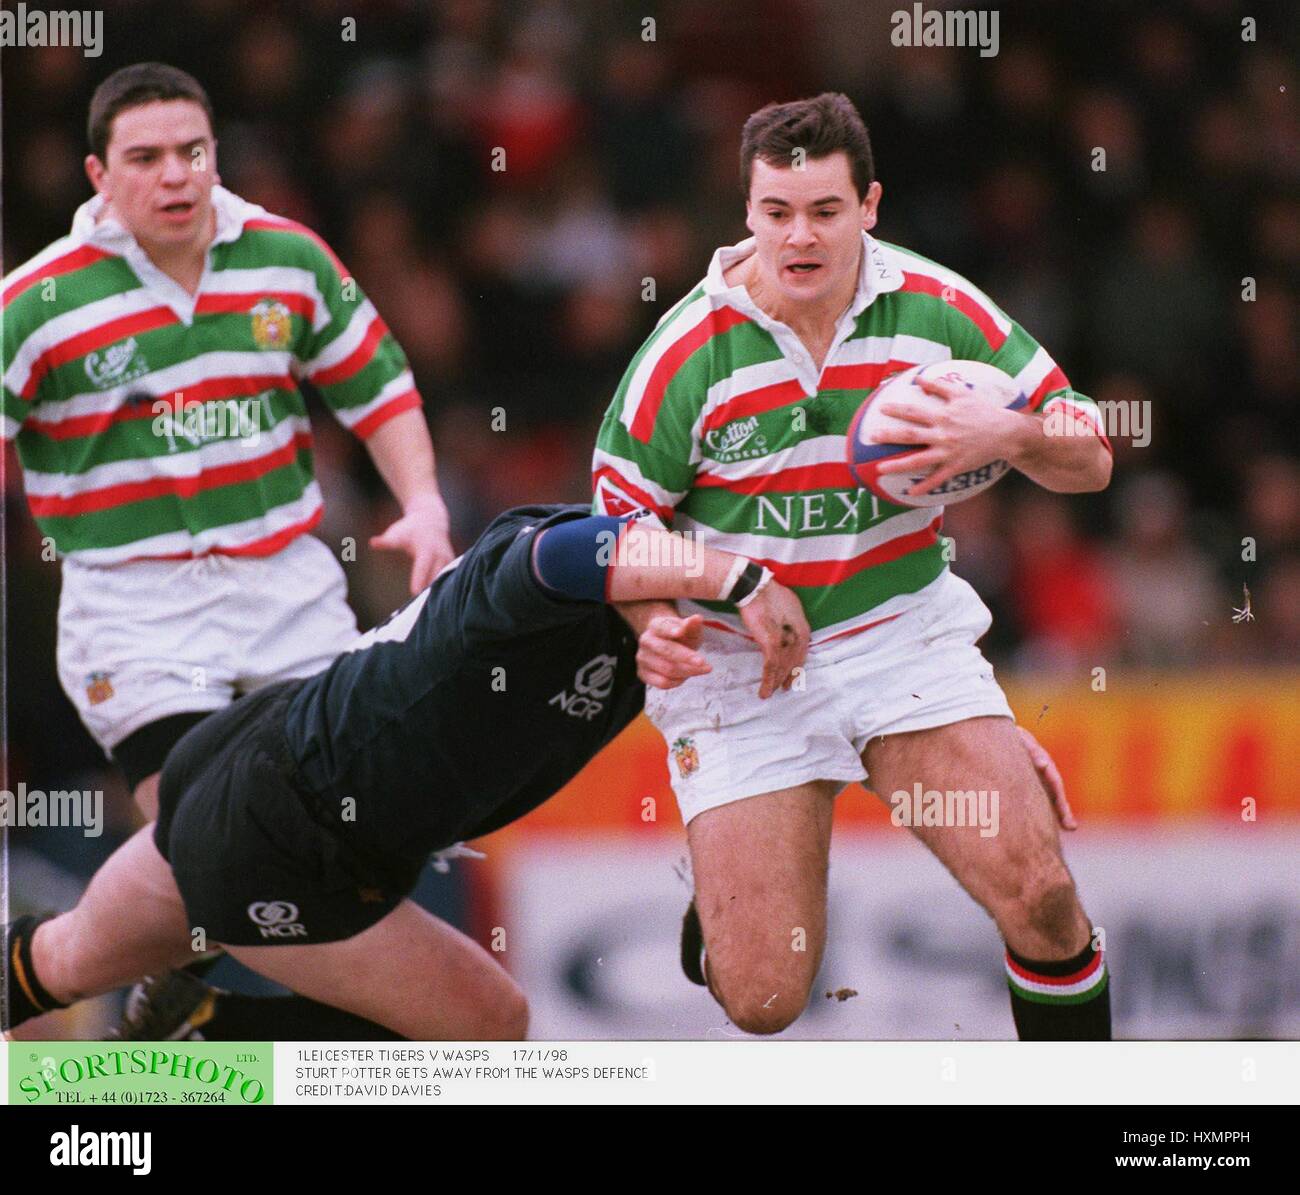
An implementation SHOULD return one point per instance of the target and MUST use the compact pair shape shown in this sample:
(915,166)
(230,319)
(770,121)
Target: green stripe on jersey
(131,521)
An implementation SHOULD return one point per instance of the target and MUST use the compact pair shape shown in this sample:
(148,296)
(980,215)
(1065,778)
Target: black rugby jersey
(473,704)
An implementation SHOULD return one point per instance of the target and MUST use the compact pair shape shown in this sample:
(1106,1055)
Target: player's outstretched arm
(657,564)
(632,563)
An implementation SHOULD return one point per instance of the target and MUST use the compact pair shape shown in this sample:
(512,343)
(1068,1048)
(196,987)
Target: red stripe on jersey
(95,338)
(223,304)
(832,475)
(831,572)
(1089,968)
(969,306)
(674,357)
(754,402)
(76,259)
(664,512)
(156,487)
(408,400)
(206,391)
(1055,380)
(266,546)
(280,224)
(355,361)
(864,376)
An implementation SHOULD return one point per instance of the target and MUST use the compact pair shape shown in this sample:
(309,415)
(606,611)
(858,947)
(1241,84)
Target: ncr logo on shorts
(592,683)
(276,919)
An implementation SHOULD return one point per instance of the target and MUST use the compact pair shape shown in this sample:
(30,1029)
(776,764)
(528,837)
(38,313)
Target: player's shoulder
(924,275)
(58,278)
(284,241)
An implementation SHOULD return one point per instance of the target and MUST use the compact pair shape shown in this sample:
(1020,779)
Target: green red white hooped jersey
(724,428)
(95,336)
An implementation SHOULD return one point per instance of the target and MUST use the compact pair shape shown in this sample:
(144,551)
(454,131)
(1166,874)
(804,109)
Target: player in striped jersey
(730,423)
(152,362)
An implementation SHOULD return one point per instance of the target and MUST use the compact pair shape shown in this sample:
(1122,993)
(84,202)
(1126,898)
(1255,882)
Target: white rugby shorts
(918,670)
(145,639)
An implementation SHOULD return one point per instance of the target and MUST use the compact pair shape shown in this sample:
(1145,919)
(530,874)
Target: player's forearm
(659,564)
(403,453)
(1066,464)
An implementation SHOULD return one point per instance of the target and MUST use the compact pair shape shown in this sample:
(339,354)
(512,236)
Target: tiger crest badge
(271,324)
(687,756)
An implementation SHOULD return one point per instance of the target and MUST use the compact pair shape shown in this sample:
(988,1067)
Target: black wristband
(746,583)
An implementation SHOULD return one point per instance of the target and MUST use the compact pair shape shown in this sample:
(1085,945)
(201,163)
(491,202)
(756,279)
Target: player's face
(159,173)
(807,223)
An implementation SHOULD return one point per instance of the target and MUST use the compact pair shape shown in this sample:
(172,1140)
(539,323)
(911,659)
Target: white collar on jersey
(876,274)
(109,233)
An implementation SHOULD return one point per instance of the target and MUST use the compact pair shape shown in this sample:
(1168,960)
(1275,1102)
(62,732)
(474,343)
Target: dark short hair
(820,127)
(143,83)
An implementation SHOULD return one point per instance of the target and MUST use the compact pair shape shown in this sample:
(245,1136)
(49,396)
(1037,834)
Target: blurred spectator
(1163,586)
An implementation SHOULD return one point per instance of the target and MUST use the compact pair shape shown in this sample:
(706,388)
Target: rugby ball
(866,456)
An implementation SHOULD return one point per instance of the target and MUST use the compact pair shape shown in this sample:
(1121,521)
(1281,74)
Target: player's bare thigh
(1017,874)
(760,868)
(146,796)
(410,972)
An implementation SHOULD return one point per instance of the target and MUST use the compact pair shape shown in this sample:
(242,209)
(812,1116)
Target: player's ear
(870,202)
(749,217)
(95,171)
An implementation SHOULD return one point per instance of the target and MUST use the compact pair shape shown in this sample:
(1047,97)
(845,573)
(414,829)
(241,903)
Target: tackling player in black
(293,824)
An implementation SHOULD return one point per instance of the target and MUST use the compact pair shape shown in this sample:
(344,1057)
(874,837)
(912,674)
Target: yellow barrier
(1148,748)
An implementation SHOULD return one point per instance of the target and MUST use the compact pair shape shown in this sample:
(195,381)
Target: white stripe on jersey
(346,342)
(683,322)
(231,535)
(351,416)
(184,463)
(165,382)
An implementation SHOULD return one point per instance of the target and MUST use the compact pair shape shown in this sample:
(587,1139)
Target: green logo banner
(65,1073)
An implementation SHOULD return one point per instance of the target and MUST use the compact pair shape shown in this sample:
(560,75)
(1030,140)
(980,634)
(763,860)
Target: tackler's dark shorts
(257,859)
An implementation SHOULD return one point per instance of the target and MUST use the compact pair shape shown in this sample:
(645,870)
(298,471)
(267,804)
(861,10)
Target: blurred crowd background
(526,289)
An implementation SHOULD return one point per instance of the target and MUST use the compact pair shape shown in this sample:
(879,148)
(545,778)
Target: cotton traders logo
(276,919)
(592,684)
(116,364)
(736,441)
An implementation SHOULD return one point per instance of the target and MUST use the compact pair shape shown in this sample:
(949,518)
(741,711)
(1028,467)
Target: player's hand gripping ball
(865,456)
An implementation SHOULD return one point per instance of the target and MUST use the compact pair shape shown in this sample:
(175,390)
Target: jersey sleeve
(16,365)
(350,355)
(978,330)
(501,596)
(647,453)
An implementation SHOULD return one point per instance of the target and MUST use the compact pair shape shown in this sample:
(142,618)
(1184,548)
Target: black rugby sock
(1062,999)
(27,995)
(287,1018)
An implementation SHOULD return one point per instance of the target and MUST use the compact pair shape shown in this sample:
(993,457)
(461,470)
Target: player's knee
(760,1013)
(1047,902)
(505,1018)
